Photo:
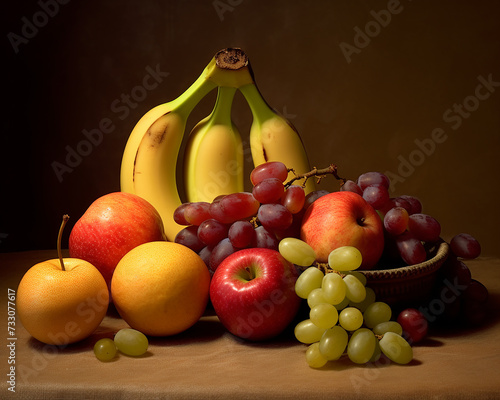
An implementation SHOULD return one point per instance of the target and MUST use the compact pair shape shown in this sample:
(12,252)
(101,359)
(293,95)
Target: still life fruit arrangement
(262,259)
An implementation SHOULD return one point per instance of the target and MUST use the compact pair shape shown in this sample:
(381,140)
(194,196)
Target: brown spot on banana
(156,138)
(264,154)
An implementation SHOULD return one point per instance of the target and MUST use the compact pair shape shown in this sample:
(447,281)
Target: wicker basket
(409,284)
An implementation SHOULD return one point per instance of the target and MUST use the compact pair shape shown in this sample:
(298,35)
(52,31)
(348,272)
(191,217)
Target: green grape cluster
(128,341)
(344,316)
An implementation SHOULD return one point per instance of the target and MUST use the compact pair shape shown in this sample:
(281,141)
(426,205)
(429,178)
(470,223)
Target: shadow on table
(460,328)
(207,329)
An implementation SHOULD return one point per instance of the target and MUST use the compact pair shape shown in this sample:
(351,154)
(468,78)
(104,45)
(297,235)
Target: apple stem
(251,275)
(318,173)
(59,236)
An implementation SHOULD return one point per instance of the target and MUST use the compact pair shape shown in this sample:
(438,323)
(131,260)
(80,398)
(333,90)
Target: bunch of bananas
(213,160)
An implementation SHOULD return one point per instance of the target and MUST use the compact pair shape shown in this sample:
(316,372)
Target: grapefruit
(161,288)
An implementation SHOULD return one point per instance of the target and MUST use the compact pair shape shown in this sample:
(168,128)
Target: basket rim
(427,267)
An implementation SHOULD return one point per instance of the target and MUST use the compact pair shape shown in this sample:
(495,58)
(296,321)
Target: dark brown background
(363,115)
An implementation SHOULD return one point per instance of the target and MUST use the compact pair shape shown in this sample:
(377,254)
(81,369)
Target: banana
(213,163)
(149,161)
(274,138)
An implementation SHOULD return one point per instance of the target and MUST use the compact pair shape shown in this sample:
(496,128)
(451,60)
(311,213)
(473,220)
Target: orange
(61,307)
(160,288)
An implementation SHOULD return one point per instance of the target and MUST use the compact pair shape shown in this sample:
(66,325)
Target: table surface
(207,362)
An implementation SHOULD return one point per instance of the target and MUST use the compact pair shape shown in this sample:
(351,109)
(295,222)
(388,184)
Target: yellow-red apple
(343,219)
(62,301)
(113,225)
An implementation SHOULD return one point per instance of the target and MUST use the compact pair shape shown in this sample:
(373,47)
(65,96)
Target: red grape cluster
(408,235)
(407,229)
(240,220)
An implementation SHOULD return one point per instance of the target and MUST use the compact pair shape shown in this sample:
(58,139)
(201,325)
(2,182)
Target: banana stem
(222,110)
(187,101)
(261,111)
(228,68)
(231,68)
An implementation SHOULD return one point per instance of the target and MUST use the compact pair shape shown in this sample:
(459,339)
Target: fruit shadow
(456,329)
(208,328)
(85,345)
(345,364)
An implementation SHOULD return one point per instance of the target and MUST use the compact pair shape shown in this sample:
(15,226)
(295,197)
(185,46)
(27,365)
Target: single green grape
(362,345)
(313,356)
(297,251)
(333,342)
(308,280)
(355,290)
(388,326)
(361,277)
(350,318)
(131,342)
(316,297)
(306,332)
(396,348)
(105,349)
(377,313)
(334,288)
(324,315)
(345,258)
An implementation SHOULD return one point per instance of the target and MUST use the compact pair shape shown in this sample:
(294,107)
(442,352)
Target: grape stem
(315,172)
(325,268)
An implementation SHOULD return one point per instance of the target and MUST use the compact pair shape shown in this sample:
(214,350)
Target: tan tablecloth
(207,362)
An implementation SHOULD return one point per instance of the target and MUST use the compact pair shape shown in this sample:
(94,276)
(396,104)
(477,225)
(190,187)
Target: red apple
(253,293)
(113,225)
(343,219)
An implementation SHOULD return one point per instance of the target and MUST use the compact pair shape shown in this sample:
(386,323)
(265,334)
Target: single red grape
(239,205)
(396,221)
(424,227)
(465,246)
(274,217)
(414,324)
(212,231)
(373,178)
(269,190)
(271,169)
(294,199)
(351,186)
(189,238)
(411,250)
(241,234)
(197,212)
